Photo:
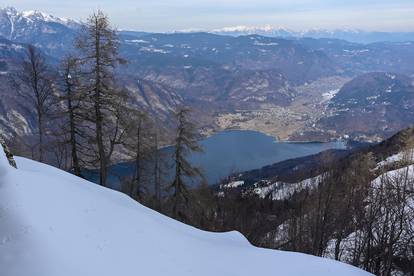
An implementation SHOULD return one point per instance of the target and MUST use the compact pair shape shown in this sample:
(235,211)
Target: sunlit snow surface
(55,224)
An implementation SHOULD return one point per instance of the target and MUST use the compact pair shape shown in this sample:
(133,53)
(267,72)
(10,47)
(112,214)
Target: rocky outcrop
(9,155)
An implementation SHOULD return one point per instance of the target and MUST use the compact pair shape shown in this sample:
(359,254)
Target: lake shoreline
(277,138)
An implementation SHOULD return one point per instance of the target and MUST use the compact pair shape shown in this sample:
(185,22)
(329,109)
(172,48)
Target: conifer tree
(185,143)
(98,46)
(71,98)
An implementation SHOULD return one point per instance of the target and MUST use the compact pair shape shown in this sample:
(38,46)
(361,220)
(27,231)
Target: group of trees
(369,223)
(355,212)
(79,108)
(85,119)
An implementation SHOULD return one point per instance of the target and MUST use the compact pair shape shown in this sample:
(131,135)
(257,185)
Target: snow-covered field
(55,224)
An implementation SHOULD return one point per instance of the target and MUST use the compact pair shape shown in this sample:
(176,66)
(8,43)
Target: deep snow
(55,224)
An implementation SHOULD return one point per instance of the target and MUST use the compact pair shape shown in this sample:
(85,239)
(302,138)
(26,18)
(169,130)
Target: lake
(237,150)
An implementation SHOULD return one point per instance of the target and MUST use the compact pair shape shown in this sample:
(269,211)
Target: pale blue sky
(170,15)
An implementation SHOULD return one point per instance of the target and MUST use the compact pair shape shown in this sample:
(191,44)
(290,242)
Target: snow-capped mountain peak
(35,15)
(260,30)
(244,28)
(349,34)
(239,28)
(276,30)
(15,24)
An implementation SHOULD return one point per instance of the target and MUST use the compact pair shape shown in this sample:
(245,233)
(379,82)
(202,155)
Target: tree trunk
(74,151)
(40,129)
(98,113)
(101,150)
(135,188)
(157,188)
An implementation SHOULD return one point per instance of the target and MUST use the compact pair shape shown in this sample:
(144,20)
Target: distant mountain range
(357,36)
(16,24)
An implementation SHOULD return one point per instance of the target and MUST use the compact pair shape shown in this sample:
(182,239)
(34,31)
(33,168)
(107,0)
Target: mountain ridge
(352,35)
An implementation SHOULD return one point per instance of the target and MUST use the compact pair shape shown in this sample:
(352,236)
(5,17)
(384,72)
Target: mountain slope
(15,113)
(51,34)
(54,223)
(374,104)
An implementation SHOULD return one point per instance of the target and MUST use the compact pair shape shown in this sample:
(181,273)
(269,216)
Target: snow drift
(55,224)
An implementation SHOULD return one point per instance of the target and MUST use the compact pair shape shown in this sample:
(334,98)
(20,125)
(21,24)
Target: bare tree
(352,189)
(34,84)
(98,45)
(390,217)
(71,123)
(137,142)
(157,168)
(160,160)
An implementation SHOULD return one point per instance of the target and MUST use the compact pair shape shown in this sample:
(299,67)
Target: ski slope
(55,224)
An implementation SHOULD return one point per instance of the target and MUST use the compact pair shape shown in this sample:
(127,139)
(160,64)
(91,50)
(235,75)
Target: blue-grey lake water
(238,150)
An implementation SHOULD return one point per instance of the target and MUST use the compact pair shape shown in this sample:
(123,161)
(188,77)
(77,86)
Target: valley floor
(287,123)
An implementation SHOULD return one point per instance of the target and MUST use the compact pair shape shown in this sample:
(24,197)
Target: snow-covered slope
(17,25)
(55,224)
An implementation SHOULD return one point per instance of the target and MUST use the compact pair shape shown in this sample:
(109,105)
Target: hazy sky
(169,15)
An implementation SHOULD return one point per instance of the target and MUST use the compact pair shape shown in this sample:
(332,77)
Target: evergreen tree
(185,143)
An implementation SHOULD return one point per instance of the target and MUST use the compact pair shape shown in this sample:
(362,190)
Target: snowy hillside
(53,223)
